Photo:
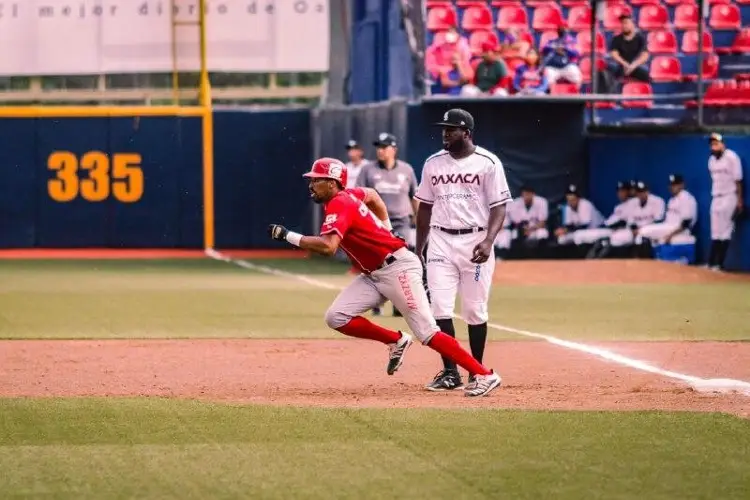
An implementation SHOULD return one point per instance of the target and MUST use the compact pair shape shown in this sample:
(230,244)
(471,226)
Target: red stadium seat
(436,3)
(637,89)
(741,44)
(546,37)
(690,42)
(666,69)
(653,17)
(547,17)
(512,16)
(583,40)
(742,2)
(719,2)
(662,42)
(725,17)
(479,38)
(710,69)
(513,62)
(573,3)
(585,65)
(686,16)
(477,17)
(439,38)
(563,89)
(579,18)
(506,3)
(470,3)
(678,2)
(612,15)
(638,3)
(441,18)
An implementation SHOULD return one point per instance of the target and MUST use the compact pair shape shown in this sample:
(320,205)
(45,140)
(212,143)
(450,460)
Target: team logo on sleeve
(330,219)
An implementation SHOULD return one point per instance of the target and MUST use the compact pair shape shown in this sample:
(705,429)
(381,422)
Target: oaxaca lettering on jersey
(455,179)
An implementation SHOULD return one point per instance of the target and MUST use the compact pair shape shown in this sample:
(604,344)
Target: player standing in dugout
(396,183)
(462,202)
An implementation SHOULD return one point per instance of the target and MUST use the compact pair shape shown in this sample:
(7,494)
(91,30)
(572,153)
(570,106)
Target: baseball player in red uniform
(357,221)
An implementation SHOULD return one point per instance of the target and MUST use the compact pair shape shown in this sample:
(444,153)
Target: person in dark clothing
(629,54)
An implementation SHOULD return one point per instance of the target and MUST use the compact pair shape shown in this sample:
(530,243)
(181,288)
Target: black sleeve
(614,44)
(642,45)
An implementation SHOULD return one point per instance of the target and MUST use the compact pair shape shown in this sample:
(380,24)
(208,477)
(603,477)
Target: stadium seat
(666,69)
(720,2)
(686,16)
(653,17)
(506,3)
(437,3)
(585,65)
(512,16)
(477,17)
(662,42)
(547,17)
(637,89)
(673,3)
(741,44)
(690,42)
(742,2)
(573,3)
(638,3)
(470,3)
(546,37)
(513,62)
(439,38)
(612,15)
(441,18)
(583,40)
(563,89)
(710,69)
(579,18)
(479,38)
(725,17)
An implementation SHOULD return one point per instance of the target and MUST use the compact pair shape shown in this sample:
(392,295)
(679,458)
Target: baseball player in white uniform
(356,162)
(462,202)
(527,221)
(578,214)
(617,220)
(644,209)
(682,214)
(727,204)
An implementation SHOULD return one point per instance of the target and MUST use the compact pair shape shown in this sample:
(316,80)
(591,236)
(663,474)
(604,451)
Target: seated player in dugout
(599,237)
(682,214)
(577,214)
(525,226)
(644,209)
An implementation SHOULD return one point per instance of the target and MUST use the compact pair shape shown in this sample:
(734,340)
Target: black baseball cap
(385,139)
(458,118)
(676,179)
(715,137)
(572,189)
(352,144)
(624,185)
(527,188)
(641,186)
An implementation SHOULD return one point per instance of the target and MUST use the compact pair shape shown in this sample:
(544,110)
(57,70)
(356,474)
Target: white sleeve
(629,212)
(543,209)
(660,210)
(690,209)
(585,213)
(425,193)
(736,167)
(496,186)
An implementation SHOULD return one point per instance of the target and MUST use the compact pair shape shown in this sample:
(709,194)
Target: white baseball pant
(570,73)
(450,272)
(658,232)
(722,211)
(585,236)
(621,237)
(504,239)
(399,282)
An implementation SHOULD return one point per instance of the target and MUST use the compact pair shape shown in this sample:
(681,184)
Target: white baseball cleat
(397,351)
(483,385)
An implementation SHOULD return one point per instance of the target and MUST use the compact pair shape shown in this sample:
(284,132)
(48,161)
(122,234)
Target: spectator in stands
(515,43)
(489,76)
(439,58)
(629,54)
(529,78)
(455,80)
(561,59)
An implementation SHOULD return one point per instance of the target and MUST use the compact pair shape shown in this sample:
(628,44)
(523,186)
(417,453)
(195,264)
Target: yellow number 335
(123,179)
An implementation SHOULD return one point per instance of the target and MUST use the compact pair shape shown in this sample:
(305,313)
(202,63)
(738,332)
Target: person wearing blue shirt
(529,78)
(560,59)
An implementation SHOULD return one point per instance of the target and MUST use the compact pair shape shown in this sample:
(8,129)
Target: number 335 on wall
(119,176)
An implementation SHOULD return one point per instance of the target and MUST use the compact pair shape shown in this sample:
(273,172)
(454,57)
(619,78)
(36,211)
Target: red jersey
(364,237)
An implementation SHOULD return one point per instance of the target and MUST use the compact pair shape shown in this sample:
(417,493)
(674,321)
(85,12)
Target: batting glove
(277,232)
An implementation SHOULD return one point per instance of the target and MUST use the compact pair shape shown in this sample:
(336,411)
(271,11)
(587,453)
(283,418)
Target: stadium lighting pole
(204,94)
(703,9)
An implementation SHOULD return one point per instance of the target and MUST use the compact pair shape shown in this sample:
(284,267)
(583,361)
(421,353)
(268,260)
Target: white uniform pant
(470,90)
(570,73)
(450,272)
(621,237)
(399,282)
(506,236)
(658,233)
(722,212)
(585,236)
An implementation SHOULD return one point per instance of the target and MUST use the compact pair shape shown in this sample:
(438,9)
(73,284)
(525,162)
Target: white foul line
(722,385)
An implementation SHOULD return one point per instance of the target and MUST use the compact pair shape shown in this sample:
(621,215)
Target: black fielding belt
(468,230)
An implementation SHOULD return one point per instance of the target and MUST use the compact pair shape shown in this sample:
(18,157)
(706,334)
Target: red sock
(365,329)
(449,347)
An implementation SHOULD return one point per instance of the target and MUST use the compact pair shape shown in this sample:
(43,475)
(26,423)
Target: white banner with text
(75,37)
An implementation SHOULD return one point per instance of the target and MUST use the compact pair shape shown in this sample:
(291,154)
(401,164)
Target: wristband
(294,238)
(387,224)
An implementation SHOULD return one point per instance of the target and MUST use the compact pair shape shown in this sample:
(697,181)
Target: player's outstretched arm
(325,244)
(424,215)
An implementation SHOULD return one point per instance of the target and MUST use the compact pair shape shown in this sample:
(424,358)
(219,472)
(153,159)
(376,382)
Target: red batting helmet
(328,168)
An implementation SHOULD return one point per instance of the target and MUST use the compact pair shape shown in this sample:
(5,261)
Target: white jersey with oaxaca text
(537,212)
(352,171)
(585,215)
(682,207)
(462,192)
(647,213)
(725,173)
(619,214)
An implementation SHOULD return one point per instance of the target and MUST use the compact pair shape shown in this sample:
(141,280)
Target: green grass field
(163,448)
